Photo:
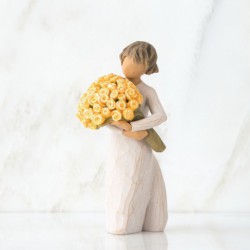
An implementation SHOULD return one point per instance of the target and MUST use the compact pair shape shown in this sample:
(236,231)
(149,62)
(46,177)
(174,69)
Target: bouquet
(113,98)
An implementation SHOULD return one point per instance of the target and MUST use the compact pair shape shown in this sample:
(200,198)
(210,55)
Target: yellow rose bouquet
(113,98)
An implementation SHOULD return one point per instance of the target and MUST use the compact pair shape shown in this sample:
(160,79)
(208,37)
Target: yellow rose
(130,93)
(96,83)
(93,98)
(121,80)
(122,97)
(85,122)
(111,86)
(104,98)
(107,77)
(133,104)
(91,125)
(110,104)
(116,115)
(114,78)
(130,85)
(120,105)
(91,90)
(83,104)
(83,95)
(104,84)
(109,96)
(102,104)
(98,119)
(104,91)
(128,114)
(105,112)
(121,87)
(97,107)
(114,94)
(88,113)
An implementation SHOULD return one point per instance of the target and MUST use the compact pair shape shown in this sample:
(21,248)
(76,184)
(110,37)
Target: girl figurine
(135,193)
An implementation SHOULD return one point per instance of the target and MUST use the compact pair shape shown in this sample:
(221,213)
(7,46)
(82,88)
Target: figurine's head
(138,58)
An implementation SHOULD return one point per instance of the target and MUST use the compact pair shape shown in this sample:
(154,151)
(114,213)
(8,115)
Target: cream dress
(135,192)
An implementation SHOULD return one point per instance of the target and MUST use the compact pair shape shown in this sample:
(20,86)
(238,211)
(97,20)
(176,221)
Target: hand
(122,124)
(137,135)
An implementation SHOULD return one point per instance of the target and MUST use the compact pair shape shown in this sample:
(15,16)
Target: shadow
(142,240)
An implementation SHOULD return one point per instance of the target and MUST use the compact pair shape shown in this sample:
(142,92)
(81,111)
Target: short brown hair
(142,52)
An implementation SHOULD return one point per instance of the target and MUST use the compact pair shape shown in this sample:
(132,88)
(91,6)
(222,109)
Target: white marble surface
(189,231)
(52,50)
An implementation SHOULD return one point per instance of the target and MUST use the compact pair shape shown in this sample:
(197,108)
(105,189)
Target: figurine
(135,192)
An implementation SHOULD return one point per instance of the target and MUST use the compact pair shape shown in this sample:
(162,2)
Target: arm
(138,135)
(123,127)
(157,116)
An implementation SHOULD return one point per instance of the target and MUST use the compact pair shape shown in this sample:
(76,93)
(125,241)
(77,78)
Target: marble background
(52,50)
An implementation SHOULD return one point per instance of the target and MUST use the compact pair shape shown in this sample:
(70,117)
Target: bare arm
(123,128)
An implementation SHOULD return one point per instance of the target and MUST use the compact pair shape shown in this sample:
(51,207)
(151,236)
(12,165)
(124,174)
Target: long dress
(135,192)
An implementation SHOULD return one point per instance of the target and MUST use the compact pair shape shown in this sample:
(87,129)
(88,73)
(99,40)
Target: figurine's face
(132,69)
